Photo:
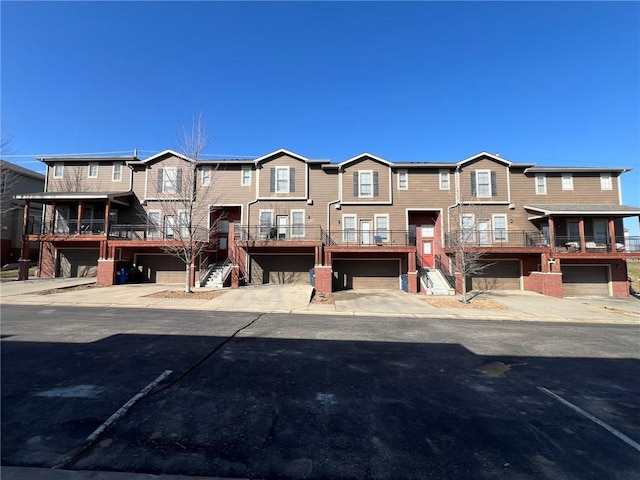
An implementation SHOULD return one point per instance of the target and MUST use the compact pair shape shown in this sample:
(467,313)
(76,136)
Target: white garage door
(585,280)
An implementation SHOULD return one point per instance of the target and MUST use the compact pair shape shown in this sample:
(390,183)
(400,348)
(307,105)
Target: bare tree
(465,240)
(181,196)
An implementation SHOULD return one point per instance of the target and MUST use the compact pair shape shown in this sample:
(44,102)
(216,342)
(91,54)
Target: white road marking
(123,409)
(596,420)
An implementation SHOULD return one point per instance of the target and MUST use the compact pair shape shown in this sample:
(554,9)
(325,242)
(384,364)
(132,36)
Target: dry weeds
(208,295)
(476,303)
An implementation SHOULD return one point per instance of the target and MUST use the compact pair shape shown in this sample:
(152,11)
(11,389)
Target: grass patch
(9,274)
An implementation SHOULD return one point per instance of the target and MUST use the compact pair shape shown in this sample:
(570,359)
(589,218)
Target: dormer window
(93,170)
(403,180)
(605,181)
(567,181)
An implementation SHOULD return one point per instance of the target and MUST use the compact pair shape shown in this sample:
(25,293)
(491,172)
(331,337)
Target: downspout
(42,219)
(333,202)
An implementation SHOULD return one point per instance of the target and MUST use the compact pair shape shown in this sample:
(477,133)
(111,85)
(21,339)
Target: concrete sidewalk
(520,306)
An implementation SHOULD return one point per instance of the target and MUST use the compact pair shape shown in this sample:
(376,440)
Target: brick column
(235,276)
(324,277)
(24,260)
(413,282)
(106,271)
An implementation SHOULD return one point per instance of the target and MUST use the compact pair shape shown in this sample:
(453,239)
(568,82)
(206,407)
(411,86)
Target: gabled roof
(360,157)
(163,154)
(492,156)
(583,209)
(282,151)
(21,170)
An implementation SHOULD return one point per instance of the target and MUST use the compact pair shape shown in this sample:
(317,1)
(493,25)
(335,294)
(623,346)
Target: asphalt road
(286,396)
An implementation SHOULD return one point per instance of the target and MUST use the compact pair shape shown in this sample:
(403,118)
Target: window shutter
(356,191)
(376,191)
(160,172)
(494,184)
(179,180)
(272,180)
(292,179)
(473,184)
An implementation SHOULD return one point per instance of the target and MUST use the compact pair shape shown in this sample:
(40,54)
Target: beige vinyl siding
(323,186)
(225,187)
(152,175)
(384,174)
(423,193)
(282,161)
(76,178)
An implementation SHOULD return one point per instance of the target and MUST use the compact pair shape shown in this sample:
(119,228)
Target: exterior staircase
(434,282)
(216,275)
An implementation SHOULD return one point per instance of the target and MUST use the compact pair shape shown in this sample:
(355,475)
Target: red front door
(427,253)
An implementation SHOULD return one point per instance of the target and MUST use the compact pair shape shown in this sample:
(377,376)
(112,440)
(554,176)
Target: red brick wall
(47,261)
(323,279)
(545,283)
(106,272)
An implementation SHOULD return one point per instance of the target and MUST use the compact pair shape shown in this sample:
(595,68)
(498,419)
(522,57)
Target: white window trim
(473,227)
(169,234)
(113,172)
(448,176)
(287,170)
(158,226)
(495,230)
(173,184)
(570,178)
(360,172)
(93,164)
(400,174)
(385,237)
(293,226)
(266,229)
(55,166)
(602,181)
(242,177)
(355,228)
(183,229)
(478,172)
(206,182)
(544,183)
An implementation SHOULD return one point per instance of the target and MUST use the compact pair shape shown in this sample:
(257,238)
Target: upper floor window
(116,175)
(93,170)
(541,184)
(206,176)
(444,180)
(245,179)
(403,180)
(170,180)
(605,181)
(365,183)
(567,181)
(283,180)
(483,183)
(58,170)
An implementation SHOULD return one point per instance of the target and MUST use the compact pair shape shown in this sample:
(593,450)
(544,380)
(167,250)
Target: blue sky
(556,83)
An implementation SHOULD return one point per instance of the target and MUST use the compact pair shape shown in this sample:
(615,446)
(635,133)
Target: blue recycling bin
(312,277)
(404,281)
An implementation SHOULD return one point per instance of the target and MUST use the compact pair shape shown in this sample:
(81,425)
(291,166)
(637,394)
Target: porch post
(79,226)
(612,235)
(552,233)
(107,211)
(52,221)
(23,261)
(583,247)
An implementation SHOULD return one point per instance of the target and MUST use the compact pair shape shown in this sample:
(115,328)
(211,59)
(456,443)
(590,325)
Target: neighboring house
(15,179)
(363,223)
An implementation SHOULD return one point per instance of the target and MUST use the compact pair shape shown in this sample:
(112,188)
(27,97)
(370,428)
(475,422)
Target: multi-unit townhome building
(365,222)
